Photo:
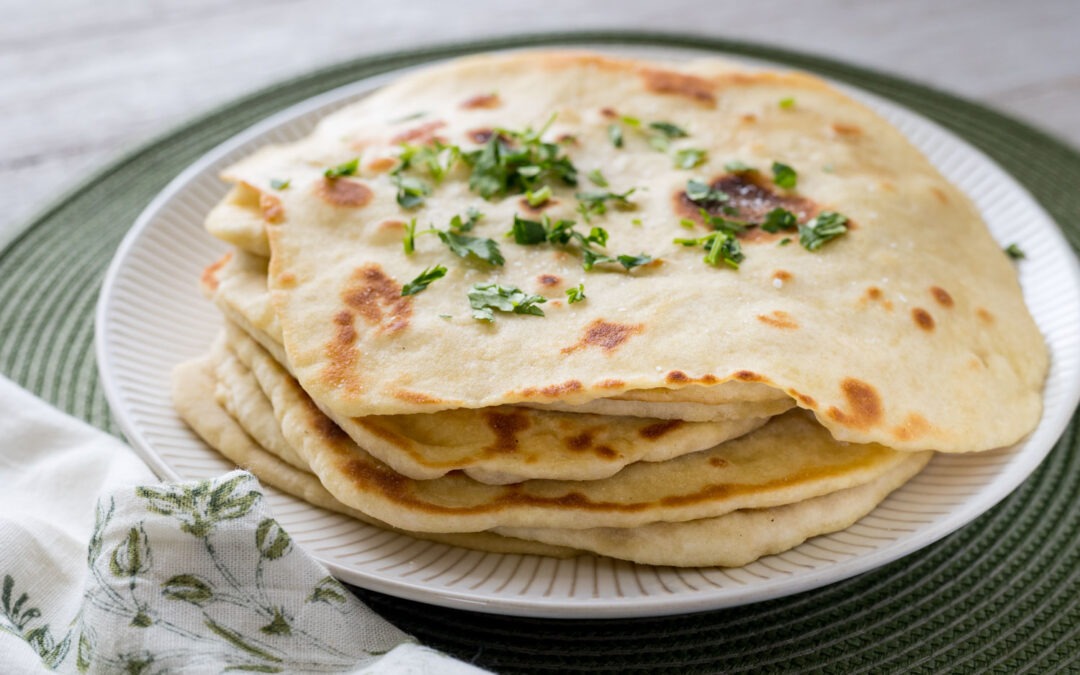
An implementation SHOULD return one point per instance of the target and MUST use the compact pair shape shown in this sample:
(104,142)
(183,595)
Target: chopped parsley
(280,184)
(411,191)
(614,133)
(486,299)
(787,103)
(529,232)
(668,129)
(349,168)
(437,158)
(597,178)
(423,280)
(1014,252)
(631,121)
(828,225)
(700,192)
(591,258)
(779,219)
(409,241)
(738,166)
(575,294)
(784,242)
(784,176)
(537,198)
(689,158)
(595,203)
(465,246)
(472,216)
(721,246)
(513,162)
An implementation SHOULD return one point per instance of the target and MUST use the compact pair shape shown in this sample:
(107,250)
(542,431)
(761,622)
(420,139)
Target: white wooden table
(82,81)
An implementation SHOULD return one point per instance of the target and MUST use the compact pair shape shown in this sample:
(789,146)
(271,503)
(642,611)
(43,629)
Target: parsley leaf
(784,176)
(423,280)
(349,168)
(614,133)
(737,166)
(828,225)
(411,191)
(537,198)
(591,258)
(410,237)
(668,129)
(280,184)
(528,232)
(437,158)
(597,178)
(595,203)
(787,103)
(472,216)
(513,162)
(465,246)
(576,294)
(779,219)
(1014,252)
(720,246)
(689,158)
(486,299)
(784,242)
(700,192)
(632,261)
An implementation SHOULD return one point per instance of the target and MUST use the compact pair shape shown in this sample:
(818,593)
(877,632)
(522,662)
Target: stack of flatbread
(556,303)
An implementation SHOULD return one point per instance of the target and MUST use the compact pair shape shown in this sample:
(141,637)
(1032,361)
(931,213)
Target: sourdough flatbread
(909,331)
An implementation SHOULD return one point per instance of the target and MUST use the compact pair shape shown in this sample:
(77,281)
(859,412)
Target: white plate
(151,316)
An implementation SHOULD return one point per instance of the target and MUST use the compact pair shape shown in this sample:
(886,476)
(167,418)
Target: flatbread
(496,446)
(789,459)
(909,331)
(194,389)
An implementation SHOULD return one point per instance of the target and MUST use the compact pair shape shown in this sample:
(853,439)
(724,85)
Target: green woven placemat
(1002,594)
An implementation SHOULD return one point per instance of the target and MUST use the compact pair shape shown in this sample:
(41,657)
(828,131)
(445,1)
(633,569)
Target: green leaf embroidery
(237,640)
(189,588)
(328,590)
(131,557)
(279,626)
(272,541)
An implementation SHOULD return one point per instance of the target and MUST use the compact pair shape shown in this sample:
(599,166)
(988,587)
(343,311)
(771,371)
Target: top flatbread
(909,331)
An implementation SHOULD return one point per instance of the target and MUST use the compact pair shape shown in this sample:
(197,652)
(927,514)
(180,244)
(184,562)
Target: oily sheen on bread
(885,333)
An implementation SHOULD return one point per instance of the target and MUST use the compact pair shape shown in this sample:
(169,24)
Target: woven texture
(1002,594)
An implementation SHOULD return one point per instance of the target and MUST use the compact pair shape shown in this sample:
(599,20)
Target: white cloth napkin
(103,570)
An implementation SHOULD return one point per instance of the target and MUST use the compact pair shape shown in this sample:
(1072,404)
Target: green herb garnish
(737,166)
(437,158)
(1014,252)
(576,294)
(631,121)
(828,225)
(280,184)
(595,203)
(720,246)
(465,246)
(472,216)
(779,219)
(689,158)
(537,198)
(423,280)
(486,299)
(410,237)
(597,178)
(349,168)
(528,232)
(411,191)
(668,129)
(784,176)
(784,242)
(787,103)
(513,162)
(614,133)
(700,192)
